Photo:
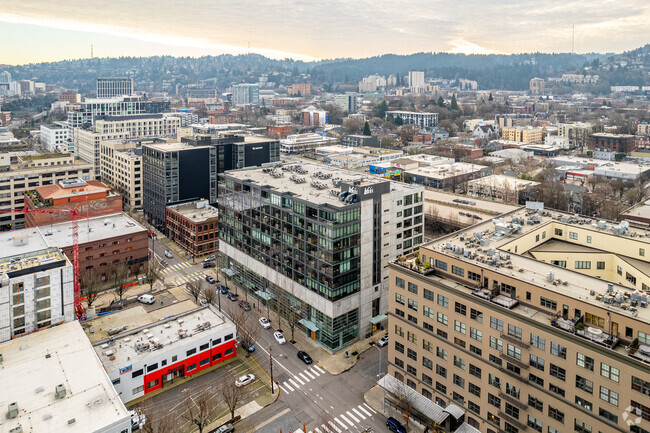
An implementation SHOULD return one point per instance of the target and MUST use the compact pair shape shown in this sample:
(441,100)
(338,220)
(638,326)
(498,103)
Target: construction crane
(75,215)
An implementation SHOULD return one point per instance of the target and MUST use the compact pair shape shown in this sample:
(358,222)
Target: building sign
(126,369)
(375,190)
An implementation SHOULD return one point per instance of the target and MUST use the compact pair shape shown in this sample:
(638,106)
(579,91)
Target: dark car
(232,296)
(394,425)
(208,265)
(226,428)
(304,357)
(223,289)
(244,305)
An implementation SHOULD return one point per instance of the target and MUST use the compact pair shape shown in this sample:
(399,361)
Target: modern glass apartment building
(314,244)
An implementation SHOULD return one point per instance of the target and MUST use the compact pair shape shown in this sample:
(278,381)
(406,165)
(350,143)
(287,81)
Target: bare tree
(158,420)
(199,407)
(209,294)
(232,395)
(91,285)
(248,330)
(405,400)
(237,316)
(153,267)
(119,276)
(194,287)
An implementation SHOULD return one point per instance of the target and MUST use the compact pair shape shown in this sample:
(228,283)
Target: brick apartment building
(278,131)
(194,226)
(619,143)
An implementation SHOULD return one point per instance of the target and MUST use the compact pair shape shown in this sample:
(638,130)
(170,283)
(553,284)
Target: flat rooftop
(315,183)
(524,267)
(196,211)
(173,146)
(25,249)
(35,364)
(163,336)
(101,227)
(48,192)
(444,171)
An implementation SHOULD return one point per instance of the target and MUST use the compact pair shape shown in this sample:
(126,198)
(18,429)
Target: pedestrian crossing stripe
(309,374)
(359,414)
(369,408)
(354,418)
(319,369)
(361,408)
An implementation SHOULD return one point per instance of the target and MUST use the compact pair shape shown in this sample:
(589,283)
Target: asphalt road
(311,396)
(177,270)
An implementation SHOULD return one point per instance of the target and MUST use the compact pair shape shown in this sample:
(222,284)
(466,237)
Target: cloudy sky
(40,30)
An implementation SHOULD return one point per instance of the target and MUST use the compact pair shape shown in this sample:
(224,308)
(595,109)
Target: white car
(209,259)
(383,341)
(244,380)
(146,299)
(279,337)
(169,254)
(265,323)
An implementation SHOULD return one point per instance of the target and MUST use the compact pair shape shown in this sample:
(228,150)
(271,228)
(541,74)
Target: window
(426,362)
(558,232)
(558,350)
(399,363)
(584,384)
(458,271)
(493,419)
(476,315)
(584,403)
(561,263)
(441,265)
(475,371)
(428,312)
(413,305)
(427,379)
(609,396)
(443,300)
(399,331)
(494,400)
(558,372)
(538,342)
(137,373)
(399,282)
(495,359)
(228,351)
(152,367)
(585,362)
(496,324)
(473,389)
(573,235)
(556,414)
(581,427)
(514,331)
(440,370)
(608,415)
(399,298)
(459,362)
(509,428)
(513,368)
(412,354)
(138,389)
(535,379)
(507,288)
(534,423)
(442,318)
(495,343)
(476,334)
(460,308)
(426,345)
(204,362)
(619,270)
(216,357)
(548,303)
(640,385)
(641,252)
(413,288)
(411,370)
(441,353)
(458,398)
(191,352)
(460,327)
(399,347)
(428,294)
(476,350)
(427,326)
(227,337)
(536,362)
(556,389)
(588,239)
(413,319)
(204,347)
(641,410)
(399,312)
(473,276)
(474,407)
(494,381)
(600,265)
(514,352)
(644,337)
(611,373)
(459,381)
(583,265)
(535,403)
(441,388)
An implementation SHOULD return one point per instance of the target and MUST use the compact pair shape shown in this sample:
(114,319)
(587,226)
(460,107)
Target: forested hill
(497,71)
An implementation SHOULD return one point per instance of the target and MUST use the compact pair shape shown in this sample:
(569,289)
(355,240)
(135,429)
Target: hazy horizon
(46,32)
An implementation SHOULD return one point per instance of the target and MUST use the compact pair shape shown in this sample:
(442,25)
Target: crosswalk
(196,276)
(176,267)
(301,379)
(351,420)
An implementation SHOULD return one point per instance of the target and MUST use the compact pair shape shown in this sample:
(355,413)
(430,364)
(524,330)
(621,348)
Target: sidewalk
(374,397)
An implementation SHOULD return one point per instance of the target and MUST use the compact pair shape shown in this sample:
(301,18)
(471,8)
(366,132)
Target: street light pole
(379,376)
(271,364)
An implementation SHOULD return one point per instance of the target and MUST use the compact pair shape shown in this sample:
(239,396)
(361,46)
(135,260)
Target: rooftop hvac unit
(59,391)
(550,276)
(610,287)
(12,411)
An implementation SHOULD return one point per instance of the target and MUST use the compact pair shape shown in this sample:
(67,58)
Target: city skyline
(284,29)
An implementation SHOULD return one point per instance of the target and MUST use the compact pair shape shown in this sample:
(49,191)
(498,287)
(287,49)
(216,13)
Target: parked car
(383,341)
(208,265)
(394,425)
(304,357)
(223,289)
(279,337)
(226,428)
(210,280)
(250,347)
(244,380)
(146,299)
(169,254)
(209,259)
(265,323)
(232,296)
(244,305)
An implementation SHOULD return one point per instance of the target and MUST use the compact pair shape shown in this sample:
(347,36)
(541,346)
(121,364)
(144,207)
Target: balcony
(513,401)
(640,352)
(514,340)
(578,328)
(512,421)
(413,263)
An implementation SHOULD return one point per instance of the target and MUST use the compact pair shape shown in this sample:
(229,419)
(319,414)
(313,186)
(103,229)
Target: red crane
(75,215)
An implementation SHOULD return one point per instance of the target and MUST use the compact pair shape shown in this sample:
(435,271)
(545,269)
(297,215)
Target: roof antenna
(91,51)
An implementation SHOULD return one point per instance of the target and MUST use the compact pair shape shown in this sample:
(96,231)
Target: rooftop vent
(72,421)
(72,183)
(18,429)
(59,391)
(12,411)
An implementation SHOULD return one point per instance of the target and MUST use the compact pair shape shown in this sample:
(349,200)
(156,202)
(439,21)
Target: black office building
(238,151)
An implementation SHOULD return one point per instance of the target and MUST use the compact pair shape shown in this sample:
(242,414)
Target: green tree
(490,98)
(399,121)
(366,129)
(441,101)
(380,109)
(454,104)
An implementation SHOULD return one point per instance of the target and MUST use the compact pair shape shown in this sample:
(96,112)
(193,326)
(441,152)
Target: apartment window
(441,265)
(495,343)
(608,415)
(399,312)
(473,276)
(494,400)
(644,337)
(619,270)
(514,331)
(399,331)
(411,337)
(411,354)
(413,319)
(581,427)
(513,368)
(460,308)
(428,295)
(399,347)
(514,352)
(458,398)
(413,288)
(584,384)
(494,381)
(442,318)
(441,353)
(556,414)
(560,263)
(476,315)
(582,265)
(441,371)
(427,326)
(426,362)
(585,362)
(534,423)
(556,389)
(558,350)
(558,372)
(592,319)
(411,370)
(443,301)
(600,265)
(535,403)
(641,252)
(460,327)
(399,298)
(441,333)
(496,324)
(459,381)
(573,235)
(584,403)
(493,419)
(475,371)
(536,362)
(537,341)
(458,271)
(507,288)
(548,303)
(399,363)
(473,389)
(413,305)
(475,334)
(642,410)
(399,282)
(474,407)
(137,373)
(640,385)
(427,379)
(558,232)
(428,312)
(459,362)
(441,388)
(609,396)
(426,345)
(535,379)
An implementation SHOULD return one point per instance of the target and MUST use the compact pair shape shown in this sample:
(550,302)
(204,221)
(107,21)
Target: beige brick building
(121,168)
(525,135)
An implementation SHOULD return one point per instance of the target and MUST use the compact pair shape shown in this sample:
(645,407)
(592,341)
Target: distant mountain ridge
(494,71)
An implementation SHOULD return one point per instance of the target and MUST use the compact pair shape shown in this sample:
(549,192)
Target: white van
(146,299)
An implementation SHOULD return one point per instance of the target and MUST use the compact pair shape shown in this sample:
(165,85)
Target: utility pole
(271,364)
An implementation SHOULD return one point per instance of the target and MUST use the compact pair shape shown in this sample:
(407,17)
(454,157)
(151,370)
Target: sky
(43,31)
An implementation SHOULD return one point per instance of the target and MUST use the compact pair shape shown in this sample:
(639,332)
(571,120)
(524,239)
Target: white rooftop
(444,171)
(35,364)
(101,227)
